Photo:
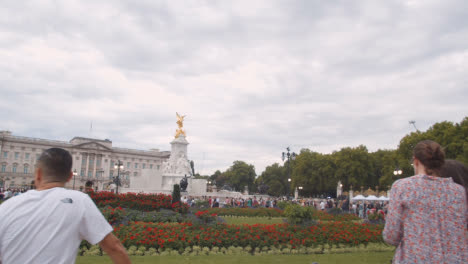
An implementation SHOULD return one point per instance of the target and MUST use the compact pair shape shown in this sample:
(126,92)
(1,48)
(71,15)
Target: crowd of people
(9,192)
(426,217)
(361,209)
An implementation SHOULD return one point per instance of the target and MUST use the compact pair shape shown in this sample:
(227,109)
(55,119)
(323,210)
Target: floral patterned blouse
(427,219)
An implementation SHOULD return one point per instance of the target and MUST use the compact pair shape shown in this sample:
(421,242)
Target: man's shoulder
(72,194)
(13,201)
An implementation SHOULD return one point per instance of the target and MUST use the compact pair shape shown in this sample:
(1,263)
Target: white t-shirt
(48,226)
(322,205)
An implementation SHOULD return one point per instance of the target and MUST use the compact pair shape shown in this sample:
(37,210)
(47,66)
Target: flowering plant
(113,215)
(178,236)
(206,216)
(140,201)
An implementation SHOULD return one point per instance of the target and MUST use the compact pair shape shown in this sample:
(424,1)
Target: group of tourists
(426,218)
(9,192)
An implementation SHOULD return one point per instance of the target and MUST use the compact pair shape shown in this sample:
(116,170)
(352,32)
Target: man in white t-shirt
(47,225)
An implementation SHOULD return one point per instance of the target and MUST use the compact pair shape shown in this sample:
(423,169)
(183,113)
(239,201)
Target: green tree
(275,178)
(354,167)
(239,175)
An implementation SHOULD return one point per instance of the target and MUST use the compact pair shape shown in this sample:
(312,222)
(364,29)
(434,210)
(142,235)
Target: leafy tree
(239,175)
(218,178)
(354,167)
(275,178)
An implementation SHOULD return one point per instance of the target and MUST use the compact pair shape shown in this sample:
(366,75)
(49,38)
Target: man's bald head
(56,165)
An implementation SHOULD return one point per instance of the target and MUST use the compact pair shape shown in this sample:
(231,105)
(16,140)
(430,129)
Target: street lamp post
(74,175)
(118,166)
(289,157)
(397,171)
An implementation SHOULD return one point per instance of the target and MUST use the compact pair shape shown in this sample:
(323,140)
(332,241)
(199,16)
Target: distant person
(47,225)
(427,214)
(457,171)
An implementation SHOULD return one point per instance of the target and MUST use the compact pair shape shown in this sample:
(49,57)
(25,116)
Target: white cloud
(253,77)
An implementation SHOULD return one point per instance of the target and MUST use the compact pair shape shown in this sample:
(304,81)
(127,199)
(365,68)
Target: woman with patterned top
(427,214)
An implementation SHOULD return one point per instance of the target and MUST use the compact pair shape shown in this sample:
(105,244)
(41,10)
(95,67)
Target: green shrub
(282,204)
(297,214)
(335,211)
(176,194)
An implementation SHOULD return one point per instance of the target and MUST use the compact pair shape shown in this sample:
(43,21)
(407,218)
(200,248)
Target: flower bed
(140,201)
(179,236)
(324,216)
(119,215)
(233,251)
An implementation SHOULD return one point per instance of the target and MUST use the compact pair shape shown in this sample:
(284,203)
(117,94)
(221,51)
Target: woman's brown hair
(431,155)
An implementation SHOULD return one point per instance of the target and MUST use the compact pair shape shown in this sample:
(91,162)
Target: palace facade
(93,160)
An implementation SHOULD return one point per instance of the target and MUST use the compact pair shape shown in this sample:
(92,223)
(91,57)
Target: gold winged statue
(180,123)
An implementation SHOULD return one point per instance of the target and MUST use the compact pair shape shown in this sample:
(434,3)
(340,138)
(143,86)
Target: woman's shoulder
(405,181)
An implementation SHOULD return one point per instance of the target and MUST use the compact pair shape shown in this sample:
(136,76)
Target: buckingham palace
(93,161)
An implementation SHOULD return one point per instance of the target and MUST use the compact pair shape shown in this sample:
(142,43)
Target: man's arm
(116,251)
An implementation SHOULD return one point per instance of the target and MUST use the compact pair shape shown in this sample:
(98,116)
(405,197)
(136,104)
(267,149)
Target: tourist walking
(426,217)
(47,225)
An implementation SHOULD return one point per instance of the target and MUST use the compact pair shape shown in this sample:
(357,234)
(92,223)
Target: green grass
(235,220)
(348,258)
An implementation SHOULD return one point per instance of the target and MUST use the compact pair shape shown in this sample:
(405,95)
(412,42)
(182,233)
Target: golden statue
(180,123)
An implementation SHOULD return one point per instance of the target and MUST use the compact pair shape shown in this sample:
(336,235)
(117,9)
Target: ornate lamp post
(397,171)
(119,166)
(289,157)
(74,175)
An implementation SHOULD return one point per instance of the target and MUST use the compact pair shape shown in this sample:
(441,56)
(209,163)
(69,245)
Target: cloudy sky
(253,77)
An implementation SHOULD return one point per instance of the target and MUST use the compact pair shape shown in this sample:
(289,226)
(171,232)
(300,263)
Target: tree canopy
(356,167)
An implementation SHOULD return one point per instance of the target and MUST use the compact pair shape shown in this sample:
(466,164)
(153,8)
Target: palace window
(82,172)
(151,166)
(128,164)
(3,167)
(157,166)
(143,165)
(5,154)
(90,174)
(26,168)
(26,156)
(136,165)
(111,174)
(14,167)
(16,155)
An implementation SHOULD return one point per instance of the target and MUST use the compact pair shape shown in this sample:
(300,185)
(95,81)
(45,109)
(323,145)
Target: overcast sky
(253,77)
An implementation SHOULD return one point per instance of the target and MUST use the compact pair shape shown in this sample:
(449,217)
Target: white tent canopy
(359,197)
(383,198)
(372,198)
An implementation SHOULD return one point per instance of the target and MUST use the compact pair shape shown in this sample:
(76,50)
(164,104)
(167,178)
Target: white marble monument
(173,170)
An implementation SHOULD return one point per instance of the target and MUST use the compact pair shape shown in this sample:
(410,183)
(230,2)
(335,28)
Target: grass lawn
(348,258)
(234,220)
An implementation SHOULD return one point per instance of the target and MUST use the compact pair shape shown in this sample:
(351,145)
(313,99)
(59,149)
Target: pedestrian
(426,216)
(457,171)
(47,225)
